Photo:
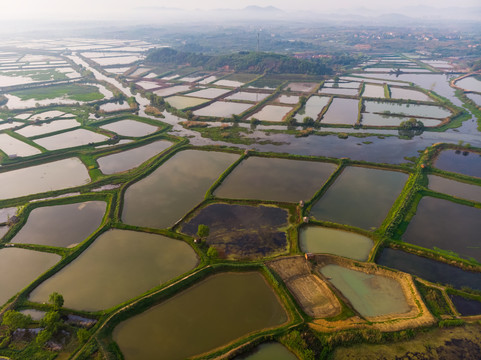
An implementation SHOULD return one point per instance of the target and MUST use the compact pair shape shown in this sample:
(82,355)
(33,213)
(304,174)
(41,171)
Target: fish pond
(45,128)
(222,109)
(341,111)
(462,162)
(70,139)
(55,175)
(271,113)
(360,197)
(182,102)
(466,307)
(172,190)
(429,269)
(287,180)
(370,295)
(204,315)
(429,111)
(455,188)
(317,239)
(438,222)
(127,263)
(61,225)
(14,275)
(129,159)
(14,147)
(268,351)
(242,231)
(130,128)
(312,108)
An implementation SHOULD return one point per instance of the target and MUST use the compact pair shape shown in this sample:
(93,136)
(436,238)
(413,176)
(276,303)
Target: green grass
(76,92)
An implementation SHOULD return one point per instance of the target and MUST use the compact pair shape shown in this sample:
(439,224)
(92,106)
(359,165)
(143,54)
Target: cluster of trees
(246,61)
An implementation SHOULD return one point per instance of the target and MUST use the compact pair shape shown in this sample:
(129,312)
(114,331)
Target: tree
(56,300)
(15,320)
(203,231)
(43,336)
(212,252)
(51,321)
(82,335)
(308,121)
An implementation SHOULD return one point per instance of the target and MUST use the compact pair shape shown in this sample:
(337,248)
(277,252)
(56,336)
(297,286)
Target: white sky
(71,9)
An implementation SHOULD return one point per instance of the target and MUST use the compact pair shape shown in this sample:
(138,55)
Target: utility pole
(258,41)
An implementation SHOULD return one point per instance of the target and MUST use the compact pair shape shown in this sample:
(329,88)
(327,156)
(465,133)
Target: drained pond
(200,318)
(242,231)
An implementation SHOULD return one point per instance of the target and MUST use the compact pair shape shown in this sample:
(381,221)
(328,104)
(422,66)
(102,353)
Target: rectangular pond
(287,180)
(429,111)
(127,263)
(172,190)
(182,102)
(360,197)
(437,222)
(45,128)
(223,109)
(312,108)
(209,93)
(429,269)
(248,96)
(321,240)
(15,275)
(55,175)
(341,111)
(455,188)
(130,128)
(462,162)
(370,119)
(408,94)
(375,91)
(243,299)
(14,147)
(70,139)
(61,225)
(129,159)
(273,113)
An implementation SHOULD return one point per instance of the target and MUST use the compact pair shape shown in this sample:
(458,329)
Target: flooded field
(317,239)
(45,128)
(244,299)
(271,113)
(41,178)
(210,93)
(248,96)
(14,277)
(172,90)
(470,83)
(130,128)
(429,111)
(462,162)
(183,180)
(455,188)
(222,109)
(388,120)
(242,231)
(301,86)
(407,94)
(312,108)
(129,159)
(370,295)
(429,269)
(341,111)
(360,197)
(288,99)
(182,102)
(14,147)
(375,91)
(128,263)
(61,225)
(437,222)
(282,182)
(70,139)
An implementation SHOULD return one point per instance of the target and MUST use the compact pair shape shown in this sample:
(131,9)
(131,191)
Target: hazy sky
(13,9)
